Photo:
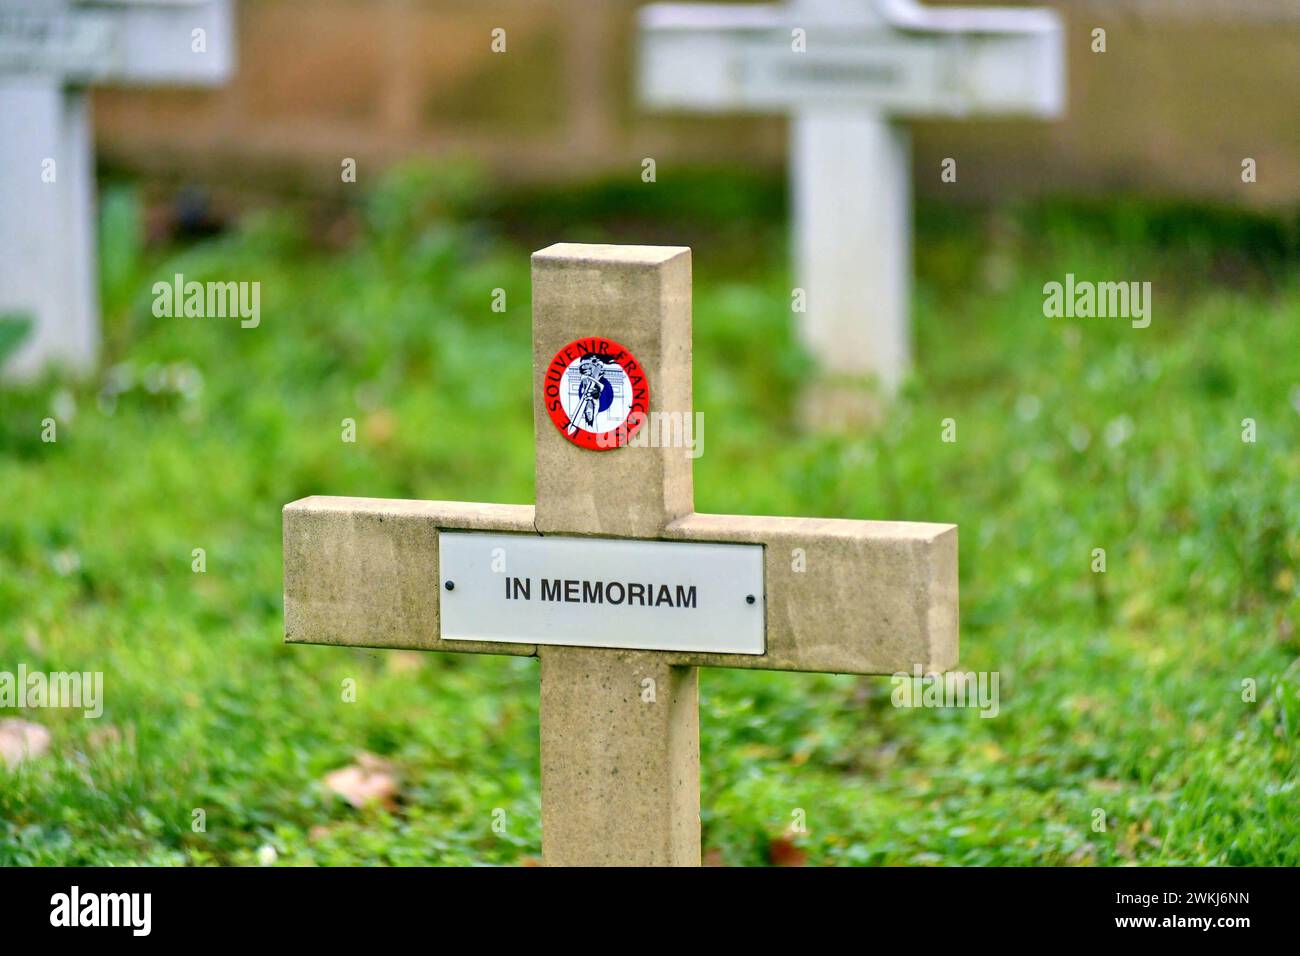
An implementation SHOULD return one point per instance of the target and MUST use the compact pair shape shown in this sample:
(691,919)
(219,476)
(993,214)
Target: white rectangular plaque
(598,592)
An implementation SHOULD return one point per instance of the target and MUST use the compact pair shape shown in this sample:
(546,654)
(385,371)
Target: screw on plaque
(451,585)
(749,599)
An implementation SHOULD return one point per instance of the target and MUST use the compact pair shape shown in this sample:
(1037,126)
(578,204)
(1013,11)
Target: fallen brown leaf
(783,851)
(22,740)
(400,662)
(371,780)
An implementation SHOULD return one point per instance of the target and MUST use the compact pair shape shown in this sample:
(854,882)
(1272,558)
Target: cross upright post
(629,797)
(613,580)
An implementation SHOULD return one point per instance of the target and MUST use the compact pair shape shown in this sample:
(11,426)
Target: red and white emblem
(596,392)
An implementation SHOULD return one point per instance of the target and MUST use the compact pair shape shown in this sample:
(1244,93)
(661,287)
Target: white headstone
(51,51)
(847,71)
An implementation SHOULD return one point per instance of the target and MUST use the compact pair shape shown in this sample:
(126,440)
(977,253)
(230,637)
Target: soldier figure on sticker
(595,393)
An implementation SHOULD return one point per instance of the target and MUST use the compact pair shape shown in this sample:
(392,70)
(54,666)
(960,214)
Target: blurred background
(1184,91)
(1162,690)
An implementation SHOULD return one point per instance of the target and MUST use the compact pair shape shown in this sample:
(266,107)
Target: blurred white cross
(51,52)
(846,72)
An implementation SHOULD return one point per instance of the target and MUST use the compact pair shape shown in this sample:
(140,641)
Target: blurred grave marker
(615,518)
(51,53)
(847,72)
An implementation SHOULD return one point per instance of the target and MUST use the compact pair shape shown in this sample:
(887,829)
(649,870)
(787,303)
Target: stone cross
(845,71)
(51,51)
(613,580)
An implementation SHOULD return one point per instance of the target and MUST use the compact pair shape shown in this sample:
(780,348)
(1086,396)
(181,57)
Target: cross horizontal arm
(898,58)
(851,597)
(844,596)
(893,14)
(363,572)
(136,42)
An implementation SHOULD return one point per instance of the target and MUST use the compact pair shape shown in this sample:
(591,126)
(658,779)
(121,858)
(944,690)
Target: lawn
(1127,730)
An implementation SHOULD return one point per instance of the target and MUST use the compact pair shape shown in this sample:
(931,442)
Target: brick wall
(1183,93)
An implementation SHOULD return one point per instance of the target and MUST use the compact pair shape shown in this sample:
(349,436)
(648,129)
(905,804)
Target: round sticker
(596,393)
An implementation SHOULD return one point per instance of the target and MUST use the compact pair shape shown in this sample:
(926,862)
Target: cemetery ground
(1127,730)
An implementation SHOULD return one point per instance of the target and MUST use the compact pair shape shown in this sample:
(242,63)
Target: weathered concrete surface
(639,296)
(620,774)
(620,759)
(875,597)
(364,571)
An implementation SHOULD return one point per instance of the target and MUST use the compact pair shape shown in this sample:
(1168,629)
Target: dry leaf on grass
(22,740)
(783,851)
(371,780)
(403,662)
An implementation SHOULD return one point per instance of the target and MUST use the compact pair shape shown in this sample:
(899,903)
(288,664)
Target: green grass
(1120,692)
